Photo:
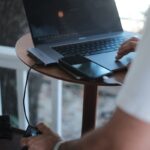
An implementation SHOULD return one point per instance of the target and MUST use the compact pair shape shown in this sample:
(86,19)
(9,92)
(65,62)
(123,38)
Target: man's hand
(127,47)
(45,141)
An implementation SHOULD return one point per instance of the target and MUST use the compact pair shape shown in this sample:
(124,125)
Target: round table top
(55,71)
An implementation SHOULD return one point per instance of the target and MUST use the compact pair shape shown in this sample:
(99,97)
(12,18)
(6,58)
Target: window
(132,13)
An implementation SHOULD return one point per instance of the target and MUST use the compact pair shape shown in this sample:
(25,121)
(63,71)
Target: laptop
(62,28)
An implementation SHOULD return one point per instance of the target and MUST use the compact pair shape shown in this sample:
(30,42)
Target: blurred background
(13,25)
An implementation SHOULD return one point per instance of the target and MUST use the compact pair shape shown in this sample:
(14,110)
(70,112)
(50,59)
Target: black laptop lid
(58,20)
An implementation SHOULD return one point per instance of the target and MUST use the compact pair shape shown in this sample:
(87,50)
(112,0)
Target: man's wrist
(58,145)
(66,145)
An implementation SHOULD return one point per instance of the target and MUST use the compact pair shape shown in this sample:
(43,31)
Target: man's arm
(123,132)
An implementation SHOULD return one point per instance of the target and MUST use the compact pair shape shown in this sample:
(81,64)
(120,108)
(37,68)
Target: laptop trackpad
(107,60)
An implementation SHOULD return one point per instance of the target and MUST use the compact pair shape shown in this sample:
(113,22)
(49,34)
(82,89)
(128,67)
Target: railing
(8,59)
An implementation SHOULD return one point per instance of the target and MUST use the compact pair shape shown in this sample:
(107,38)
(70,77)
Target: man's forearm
(123,132)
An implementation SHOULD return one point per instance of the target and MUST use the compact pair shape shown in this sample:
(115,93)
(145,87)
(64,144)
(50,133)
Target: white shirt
(134,97)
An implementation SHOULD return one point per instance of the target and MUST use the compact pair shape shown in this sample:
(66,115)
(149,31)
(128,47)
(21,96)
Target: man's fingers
(25,141)
(128,45)
(135,39)
(30,140)
(43,128)
(44,141)
(126,48)
(124,52)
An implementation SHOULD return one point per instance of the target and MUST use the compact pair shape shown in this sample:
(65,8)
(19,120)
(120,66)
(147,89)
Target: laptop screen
(54,20)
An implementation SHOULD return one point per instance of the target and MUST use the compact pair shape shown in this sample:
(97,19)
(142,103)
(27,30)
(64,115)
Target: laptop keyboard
(91,47)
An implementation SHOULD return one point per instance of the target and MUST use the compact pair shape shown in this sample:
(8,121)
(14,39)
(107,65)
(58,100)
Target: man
(129,128)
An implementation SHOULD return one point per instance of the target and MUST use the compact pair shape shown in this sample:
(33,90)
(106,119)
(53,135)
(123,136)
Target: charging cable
(24,94)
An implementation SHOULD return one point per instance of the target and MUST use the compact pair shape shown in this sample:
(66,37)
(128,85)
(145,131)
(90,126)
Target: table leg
(89,107)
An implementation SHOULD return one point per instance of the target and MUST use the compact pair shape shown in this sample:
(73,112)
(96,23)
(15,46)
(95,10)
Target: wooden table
(90,87)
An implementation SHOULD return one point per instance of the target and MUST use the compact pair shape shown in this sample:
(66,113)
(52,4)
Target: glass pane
(72,110)
(132,13)
(8,93)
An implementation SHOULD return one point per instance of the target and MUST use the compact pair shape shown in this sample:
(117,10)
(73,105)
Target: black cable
(24,94)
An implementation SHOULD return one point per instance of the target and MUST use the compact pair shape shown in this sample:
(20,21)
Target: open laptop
(91,28)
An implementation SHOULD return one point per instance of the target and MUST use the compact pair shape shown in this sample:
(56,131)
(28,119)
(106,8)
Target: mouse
(31,131)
